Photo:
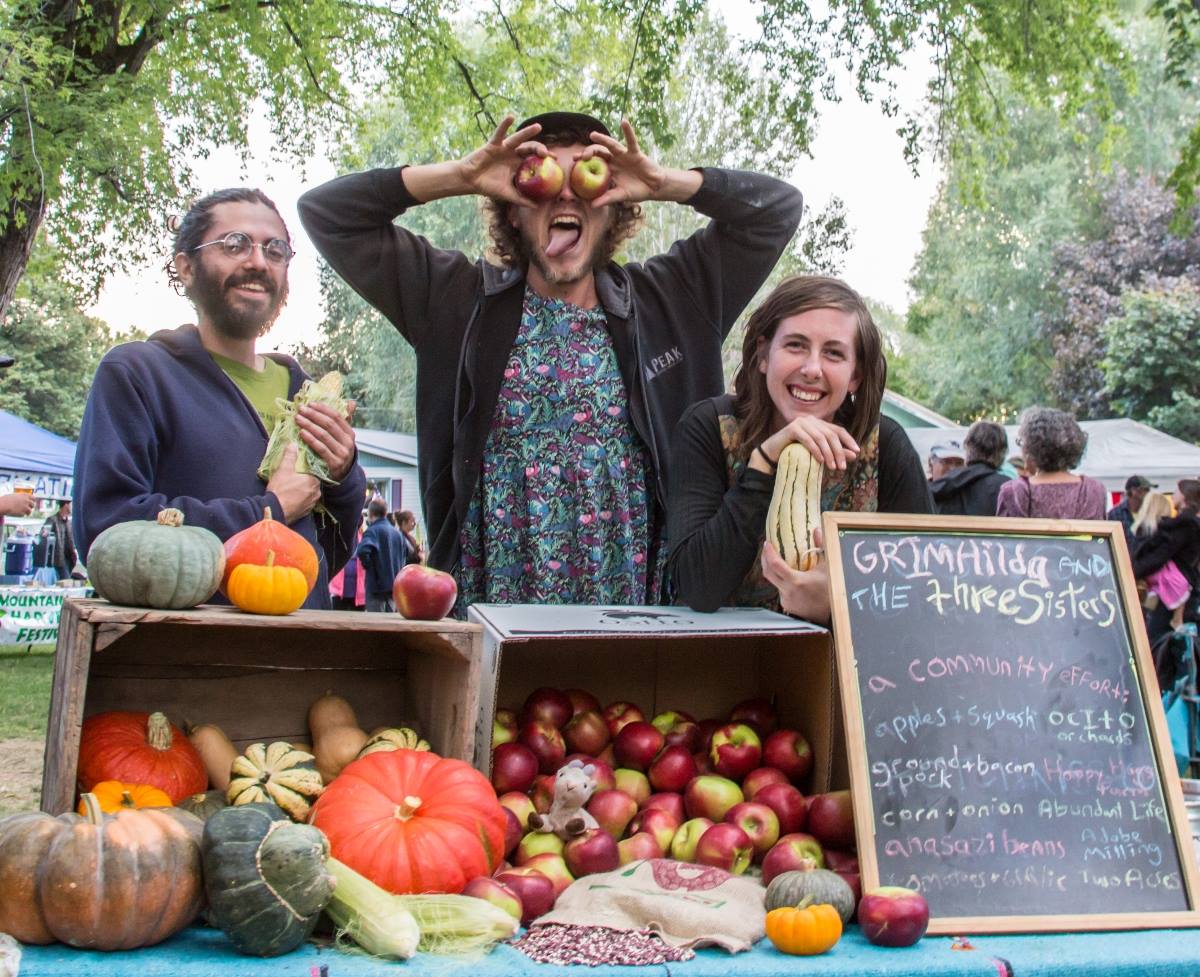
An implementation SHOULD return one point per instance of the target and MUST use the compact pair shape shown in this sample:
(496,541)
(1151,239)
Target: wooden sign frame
(856,736)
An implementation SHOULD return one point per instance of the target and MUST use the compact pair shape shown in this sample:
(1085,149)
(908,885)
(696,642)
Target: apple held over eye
(725,846)
(539,177)
(497,893)
(792,853)
(710,796)
(757,713)
(789,805)
(546,743)
(422,593)
(589,177)
(582,701)
(787,751)
(613,810)
(760,824)
(586,732)
(621,714)
(513,768)
(736,750)
(535,891)
(687,837)
(757,779)
(554,867)
(672,770)
(831,819)
(637,744)
(638,847)
(548,705)
(893,916)
(593,851)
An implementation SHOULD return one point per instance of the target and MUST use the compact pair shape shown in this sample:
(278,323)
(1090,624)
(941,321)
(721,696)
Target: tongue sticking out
(561,240)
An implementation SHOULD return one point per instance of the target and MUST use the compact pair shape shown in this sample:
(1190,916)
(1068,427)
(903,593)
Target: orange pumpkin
(413,822)
(252,546)
(113,796)
(268,589)
(804,930)
(139,748)
(102,882)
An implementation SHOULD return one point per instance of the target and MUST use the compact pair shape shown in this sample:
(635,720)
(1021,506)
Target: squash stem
(407,808)
(158,731)
(91,806)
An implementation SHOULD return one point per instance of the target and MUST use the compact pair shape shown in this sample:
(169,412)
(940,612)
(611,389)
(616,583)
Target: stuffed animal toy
(573,785)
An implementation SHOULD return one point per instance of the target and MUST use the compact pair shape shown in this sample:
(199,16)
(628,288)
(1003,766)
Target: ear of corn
(795,510)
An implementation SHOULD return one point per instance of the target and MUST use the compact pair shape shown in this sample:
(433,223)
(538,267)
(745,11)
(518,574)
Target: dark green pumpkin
(265,877)
(818,885)
(205,805)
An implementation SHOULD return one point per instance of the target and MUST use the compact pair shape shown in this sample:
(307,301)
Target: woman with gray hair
(1053,443)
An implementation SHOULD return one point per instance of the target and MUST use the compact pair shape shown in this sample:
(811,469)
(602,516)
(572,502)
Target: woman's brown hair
(753,406)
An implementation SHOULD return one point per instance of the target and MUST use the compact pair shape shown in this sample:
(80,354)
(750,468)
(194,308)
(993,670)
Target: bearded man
(550,384)
(182,420)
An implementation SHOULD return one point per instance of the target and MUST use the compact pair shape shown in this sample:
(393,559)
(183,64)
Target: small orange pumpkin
(269,535)
(804,930)
(268,589)
(114,795)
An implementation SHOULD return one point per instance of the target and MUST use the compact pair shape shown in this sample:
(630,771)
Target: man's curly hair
(507,246)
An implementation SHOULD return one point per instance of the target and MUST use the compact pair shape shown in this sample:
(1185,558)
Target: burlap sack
(687,905)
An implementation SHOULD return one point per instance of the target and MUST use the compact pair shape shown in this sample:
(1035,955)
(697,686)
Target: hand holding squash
(802,593)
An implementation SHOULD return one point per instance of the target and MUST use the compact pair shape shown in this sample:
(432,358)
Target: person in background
(943,459)
(812,372)
(1175,539)
(348,586)
(1053,443)
(1127,510)
(382,554)
(972,489)
(406,522)
(181,420)
(62,556)
(1017,465)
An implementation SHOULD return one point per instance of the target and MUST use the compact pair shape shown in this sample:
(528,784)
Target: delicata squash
(795,510)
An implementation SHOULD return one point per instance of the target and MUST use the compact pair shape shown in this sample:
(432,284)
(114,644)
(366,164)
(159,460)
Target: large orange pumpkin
(139,748)
(413,822)
(252,546)
(103,881)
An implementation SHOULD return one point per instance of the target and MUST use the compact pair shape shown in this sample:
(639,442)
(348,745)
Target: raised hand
(489,170)
(635,176)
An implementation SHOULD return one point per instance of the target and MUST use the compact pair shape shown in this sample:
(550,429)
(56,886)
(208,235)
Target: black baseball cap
(553,123)
(1138,482)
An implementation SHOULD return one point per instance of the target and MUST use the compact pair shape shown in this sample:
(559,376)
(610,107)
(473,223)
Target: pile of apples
(722,792)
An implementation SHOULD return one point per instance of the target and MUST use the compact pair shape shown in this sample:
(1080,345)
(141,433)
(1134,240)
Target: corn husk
(458,925)
(328,391)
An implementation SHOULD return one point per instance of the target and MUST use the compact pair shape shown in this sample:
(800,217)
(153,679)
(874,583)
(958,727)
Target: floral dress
(562,512)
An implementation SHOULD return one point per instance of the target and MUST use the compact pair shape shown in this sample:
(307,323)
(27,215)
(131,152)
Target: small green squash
(265,878)
(276,774)
(204,805)
(160,563)
(819,885)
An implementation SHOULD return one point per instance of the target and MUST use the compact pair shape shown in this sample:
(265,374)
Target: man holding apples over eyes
(549,384)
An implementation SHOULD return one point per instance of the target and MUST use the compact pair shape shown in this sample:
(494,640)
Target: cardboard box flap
(517,620)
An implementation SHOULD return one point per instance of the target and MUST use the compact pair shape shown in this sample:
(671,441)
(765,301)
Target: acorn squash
(204,805)
(819,886)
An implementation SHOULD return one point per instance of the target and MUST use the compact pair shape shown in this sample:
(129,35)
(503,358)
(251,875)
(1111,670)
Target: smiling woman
(812,374)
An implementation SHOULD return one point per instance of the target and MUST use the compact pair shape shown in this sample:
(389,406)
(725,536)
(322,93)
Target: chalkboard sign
(1008,752)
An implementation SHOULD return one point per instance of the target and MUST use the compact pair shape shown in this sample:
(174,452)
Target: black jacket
(715,531)
(968,491)
(383,553)
(667,317)
(1176,538)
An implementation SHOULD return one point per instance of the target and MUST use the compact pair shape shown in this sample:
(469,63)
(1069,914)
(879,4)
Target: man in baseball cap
(944,457)
(1125,511)
(549,385)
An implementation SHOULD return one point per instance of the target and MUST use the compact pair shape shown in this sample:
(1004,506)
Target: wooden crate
(255,676)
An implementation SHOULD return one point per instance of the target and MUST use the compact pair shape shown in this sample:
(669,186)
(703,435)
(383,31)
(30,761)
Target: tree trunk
(22,220)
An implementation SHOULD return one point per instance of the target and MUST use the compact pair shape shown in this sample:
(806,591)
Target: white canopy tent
(1116,449)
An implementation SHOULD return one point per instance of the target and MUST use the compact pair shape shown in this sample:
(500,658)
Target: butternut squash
(328,711)
(795,511)
(217,752)
(336,747)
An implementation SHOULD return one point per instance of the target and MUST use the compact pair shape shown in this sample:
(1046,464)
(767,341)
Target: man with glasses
(181,420)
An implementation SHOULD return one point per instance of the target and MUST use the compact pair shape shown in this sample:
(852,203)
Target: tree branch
(637,38)
(512,34)
(312,74)
(481,100)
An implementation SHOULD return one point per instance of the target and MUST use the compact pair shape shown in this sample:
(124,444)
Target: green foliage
(1150,368)
(57,349)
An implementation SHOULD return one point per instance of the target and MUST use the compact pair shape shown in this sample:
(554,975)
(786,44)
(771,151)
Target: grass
(25,679)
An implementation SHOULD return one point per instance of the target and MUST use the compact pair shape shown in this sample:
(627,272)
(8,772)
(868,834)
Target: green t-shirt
(261,387)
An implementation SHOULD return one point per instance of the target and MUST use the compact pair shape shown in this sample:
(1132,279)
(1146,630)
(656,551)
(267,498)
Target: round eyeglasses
(235,244)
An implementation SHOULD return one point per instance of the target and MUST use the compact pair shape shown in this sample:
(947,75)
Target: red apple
(757,713)
(759,822)
(736,750)
(637,847)
(637,744)
(620,714)
(673,769)
(792,853)
(613,810)
(586,732)
(703,763)
(756,780)
(546,743)
(665,720)
(634,783)
(520,805)
(548,705)
(725,846)
(670,802)
(496,892)
(593,851)
(662,824)
(831,819)
(535,891)
(582,701)
(513,830)
(589,177)
(513,767)
(710,796)
(687,837)
(554,867)
(788,751)
(707,728)
(503,733)
(893,916)
(606,756)
(422,593)
(602,773)
(686,734)
(542,792)
(537,843)
(539,178)
(840,861)
(788,804)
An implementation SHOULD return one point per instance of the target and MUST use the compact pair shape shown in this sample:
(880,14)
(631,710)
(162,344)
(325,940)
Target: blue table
(200,952)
